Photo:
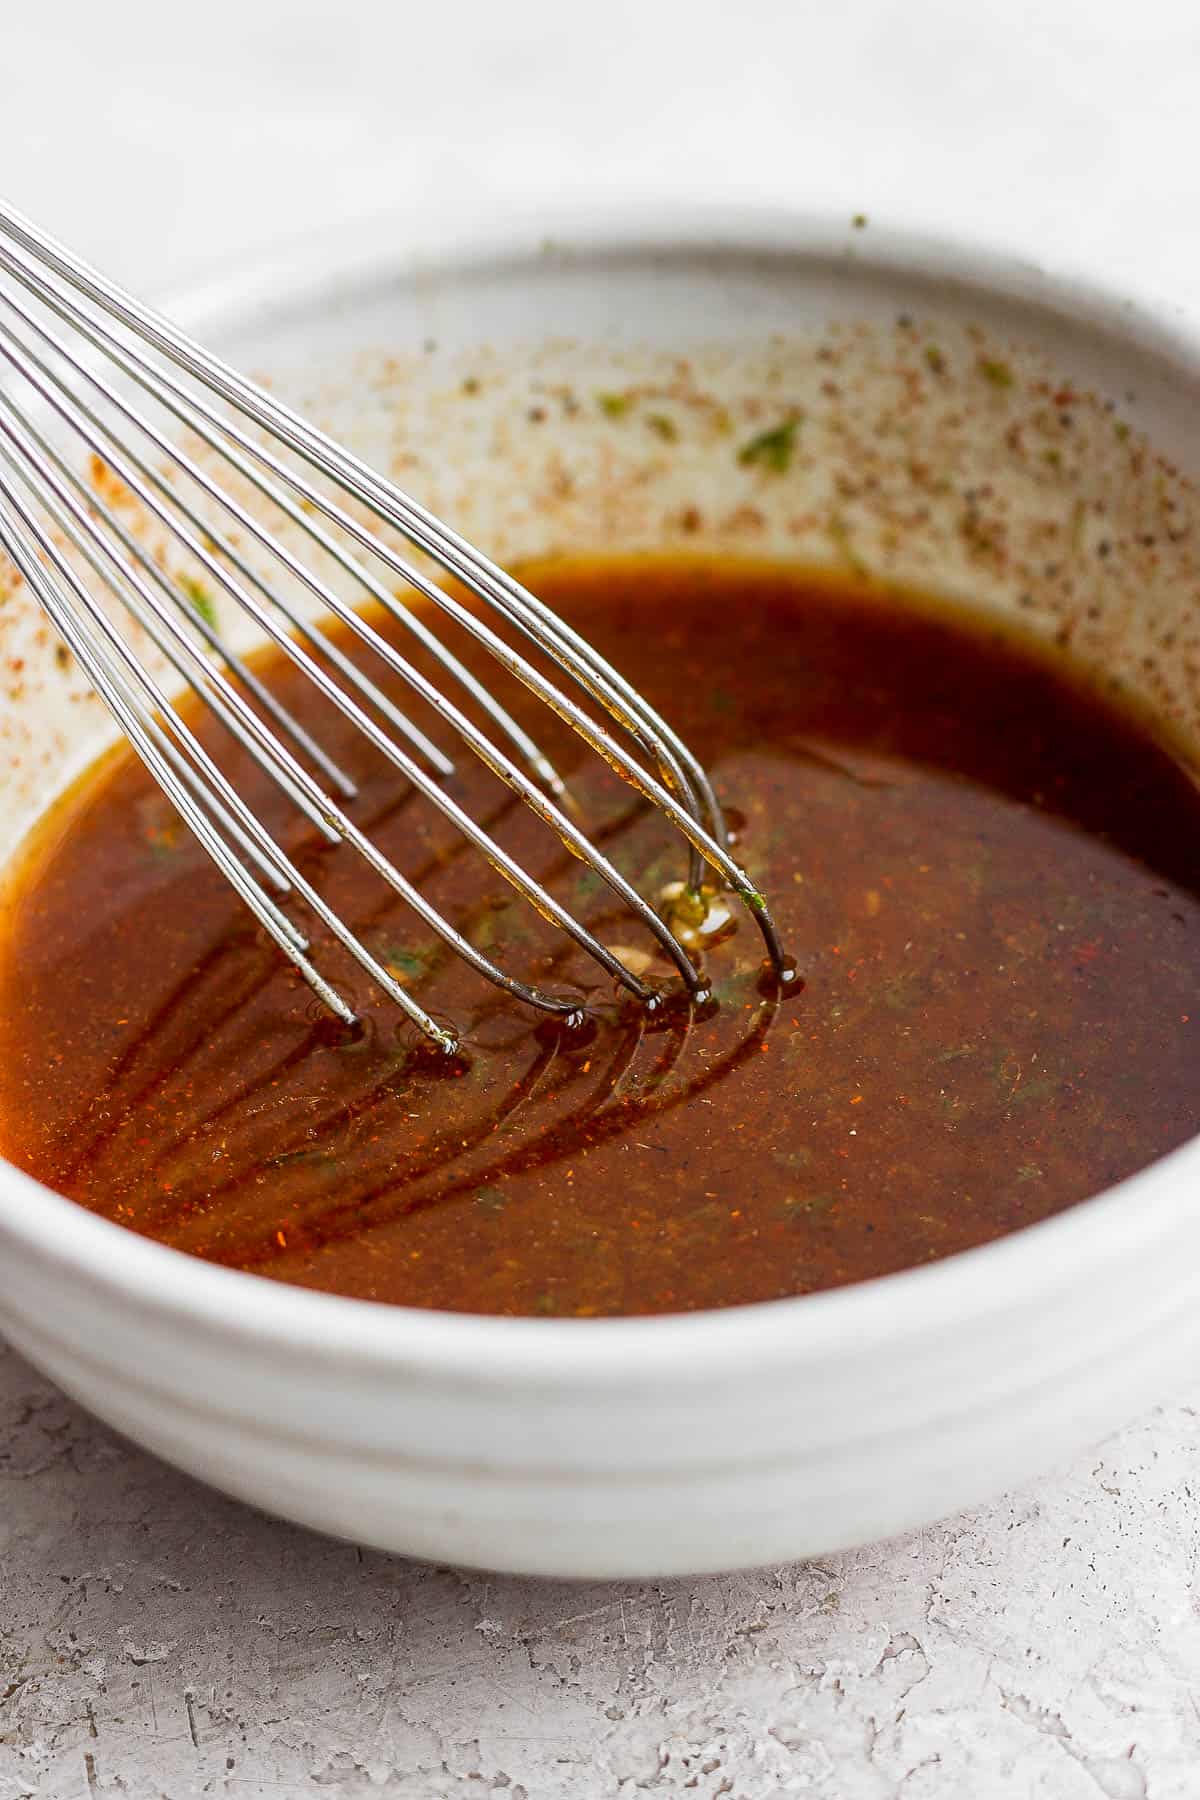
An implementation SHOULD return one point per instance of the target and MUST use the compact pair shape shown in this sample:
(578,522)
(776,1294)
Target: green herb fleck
(614,405)
(663,426)
(492,1199)
(772,449)
(859,221)
(406,965)
(690,907)
(481,932)
(200,600)
(997,372)
(1121,428)
(471,384)
(934,359)
(840,536)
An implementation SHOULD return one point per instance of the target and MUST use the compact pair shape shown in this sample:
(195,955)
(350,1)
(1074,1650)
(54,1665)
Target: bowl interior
(951,430)
(997,450)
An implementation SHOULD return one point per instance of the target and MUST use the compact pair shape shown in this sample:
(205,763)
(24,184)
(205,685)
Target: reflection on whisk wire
(61,323)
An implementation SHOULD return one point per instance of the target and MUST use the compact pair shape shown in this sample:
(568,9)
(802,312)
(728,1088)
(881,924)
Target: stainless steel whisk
(61,323)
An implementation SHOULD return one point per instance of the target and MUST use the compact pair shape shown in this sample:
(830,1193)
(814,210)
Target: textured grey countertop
(156,1639)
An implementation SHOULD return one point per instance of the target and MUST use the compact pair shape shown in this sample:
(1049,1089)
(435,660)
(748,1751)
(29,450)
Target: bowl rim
(1036,1265)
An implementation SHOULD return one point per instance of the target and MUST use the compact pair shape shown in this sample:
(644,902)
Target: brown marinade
(990,880)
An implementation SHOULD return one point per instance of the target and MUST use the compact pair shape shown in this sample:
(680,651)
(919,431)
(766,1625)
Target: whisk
(83,348)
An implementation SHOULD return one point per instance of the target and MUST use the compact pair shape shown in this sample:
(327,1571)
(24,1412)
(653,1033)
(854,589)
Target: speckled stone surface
(156,1639)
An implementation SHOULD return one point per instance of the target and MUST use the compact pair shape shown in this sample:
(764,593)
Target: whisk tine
(421,528)
(192,412)
(77,528)
(30,548)
(91,311)
(330,651)
(234,663)
(129,471)
(95,654)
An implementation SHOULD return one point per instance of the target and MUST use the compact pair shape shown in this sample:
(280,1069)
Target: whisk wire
(31,549)
(219,433)
(681,791)
(129,467)
(421,528)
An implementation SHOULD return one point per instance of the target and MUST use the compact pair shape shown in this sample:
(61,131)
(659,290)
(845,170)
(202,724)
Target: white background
(163,135)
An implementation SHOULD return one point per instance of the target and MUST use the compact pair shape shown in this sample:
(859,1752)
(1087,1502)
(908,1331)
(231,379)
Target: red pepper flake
(281,1240)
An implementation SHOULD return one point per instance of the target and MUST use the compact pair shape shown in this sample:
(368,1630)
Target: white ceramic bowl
(649,1447)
